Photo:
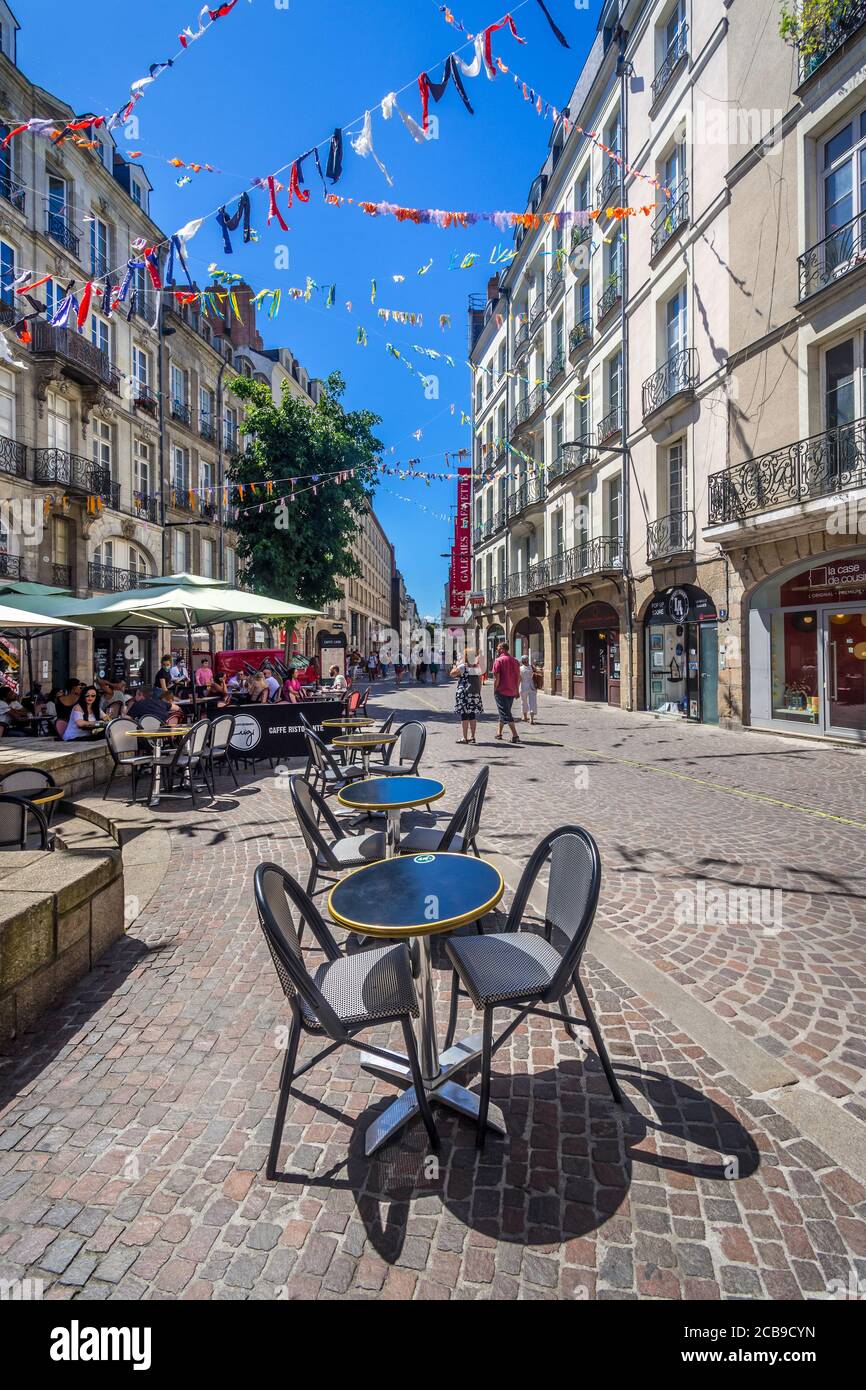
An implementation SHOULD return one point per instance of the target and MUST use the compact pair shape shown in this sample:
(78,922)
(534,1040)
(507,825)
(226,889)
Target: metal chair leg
(418,1082)
(597,1039)
(486,1068)
(286,1076)
(452,1014)
(109,782)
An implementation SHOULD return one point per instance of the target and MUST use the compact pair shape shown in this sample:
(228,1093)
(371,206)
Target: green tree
(297,552)
(807,23)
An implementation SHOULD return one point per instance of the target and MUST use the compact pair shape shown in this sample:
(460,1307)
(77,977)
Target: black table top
(391,793)
(416,895)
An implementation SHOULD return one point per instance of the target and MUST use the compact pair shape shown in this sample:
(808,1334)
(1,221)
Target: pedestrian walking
(398,672)
(434,671)
(467,699)
(422,673)
(528,690)
(506,688)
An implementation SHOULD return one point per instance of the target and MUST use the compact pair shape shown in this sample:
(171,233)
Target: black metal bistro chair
(185,761)
(16,814)
(25,780)
(333,853)
(402,759)
(326,774)
(219,750)
(520,969)
(459,835)
(340,999)
(125,751)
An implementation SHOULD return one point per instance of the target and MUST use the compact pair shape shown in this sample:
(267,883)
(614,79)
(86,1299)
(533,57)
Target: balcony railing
(581,235)
(821,466)
(823,40)
(144,399)
(207,429)
(611,297)
(678,377)
(833,258)
(529,494)
(61,576)
(609,183)
(75,474)
(81,358)
(147,506)
(671,217)
(678,51)
(536,314)
(521,338)
(144,305)
(483,531)
(10,566)
(525,409)
(60,231)
(180,410)
(499,520)
(179,497)
(580,337)
(555,280)
(670,535)
(596,556)
(556,368)
(609,425)
(110,579)
(13,457)
(16,196)
(570,457)
(99,266)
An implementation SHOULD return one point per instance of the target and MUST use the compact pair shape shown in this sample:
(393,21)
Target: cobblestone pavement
(134,1120)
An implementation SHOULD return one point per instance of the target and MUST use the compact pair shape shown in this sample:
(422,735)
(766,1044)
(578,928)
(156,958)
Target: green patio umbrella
(26,588)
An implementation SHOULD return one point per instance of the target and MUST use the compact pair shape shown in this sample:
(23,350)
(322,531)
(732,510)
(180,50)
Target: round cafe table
(391,795)
(364,744)
(176,732)
(415,898)
(362,721)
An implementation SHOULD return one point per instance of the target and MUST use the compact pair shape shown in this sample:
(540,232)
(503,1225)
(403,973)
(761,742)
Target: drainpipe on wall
(624,69)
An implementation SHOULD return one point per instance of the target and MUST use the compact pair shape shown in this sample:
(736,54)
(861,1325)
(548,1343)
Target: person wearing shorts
(506,688)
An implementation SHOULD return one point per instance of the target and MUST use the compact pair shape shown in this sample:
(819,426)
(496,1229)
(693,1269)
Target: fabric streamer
(428,88)
(363,146)
(334,170)
(84,306)
(549,17)
(389,106)
(295,189)
(175,248)
(273,210)
(228,224)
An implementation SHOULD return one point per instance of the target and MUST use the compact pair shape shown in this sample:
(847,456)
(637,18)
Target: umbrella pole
(28,642)
(189,668)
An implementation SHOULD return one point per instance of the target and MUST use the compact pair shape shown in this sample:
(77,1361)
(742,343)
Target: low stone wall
(78,767)
(58,913)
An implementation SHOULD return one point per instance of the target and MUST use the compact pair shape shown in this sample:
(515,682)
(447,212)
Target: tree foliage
(298,552)
(807,23)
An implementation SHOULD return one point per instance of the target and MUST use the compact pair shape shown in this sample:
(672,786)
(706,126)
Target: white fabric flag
(363,145)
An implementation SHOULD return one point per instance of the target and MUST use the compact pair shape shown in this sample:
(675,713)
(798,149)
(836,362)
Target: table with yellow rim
(413,899)
(391,795)
(43,798)
(365,744)
(361,722)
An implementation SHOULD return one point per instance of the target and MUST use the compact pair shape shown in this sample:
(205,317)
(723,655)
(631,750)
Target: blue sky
(265,84)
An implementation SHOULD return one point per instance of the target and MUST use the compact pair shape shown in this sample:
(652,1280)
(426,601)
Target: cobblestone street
(135,1119)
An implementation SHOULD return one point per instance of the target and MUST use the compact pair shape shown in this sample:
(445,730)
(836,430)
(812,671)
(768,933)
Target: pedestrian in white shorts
(528,693)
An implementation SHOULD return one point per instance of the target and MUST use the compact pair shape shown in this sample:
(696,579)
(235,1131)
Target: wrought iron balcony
(529,494)
(500,519)
(207,429)
(9,314)
(61,576)
(230,439)
(670,535)
(555,280)
(483,531)
(110,579)
(13,457)
(822,466)
(609,183)
(179,496)
(144,399)
(10,566)
(144,305)
(210,511)
(671,384)
(75,474)
(526,409)
(580,337)
(678,52)
(521,338)
(180,410)
(570,457)
(80,359)
(536,315)
(147,506)
(671,217)
(611,297)
(581,235)
(609,425)
(60,231)
(556,368)
(597,556)
(16,196)
(821,41)
(833,258)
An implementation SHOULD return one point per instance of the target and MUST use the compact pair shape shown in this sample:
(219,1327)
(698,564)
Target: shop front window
(794,667)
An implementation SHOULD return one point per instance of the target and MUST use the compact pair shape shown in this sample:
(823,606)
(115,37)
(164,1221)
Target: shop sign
(843,581)
(537,608)
(684,604)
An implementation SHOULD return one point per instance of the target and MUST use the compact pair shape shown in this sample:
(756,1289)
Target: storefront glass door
(846,670)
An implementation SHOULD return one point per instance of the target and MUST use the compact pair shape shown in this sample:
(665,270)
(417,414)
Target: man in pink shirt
(506,687)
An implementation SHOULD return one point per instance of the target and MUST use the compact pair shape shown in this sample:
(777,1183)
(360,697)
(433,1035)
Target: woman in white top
(467,699)
(83,717)
(528,693)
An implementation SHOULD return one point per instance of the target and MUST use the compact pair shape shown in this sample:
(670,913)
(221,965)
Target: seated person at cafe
(14,718)
(163,680)
(339,684)
(84,716)
(237,687)
(271,682)
(65,701)
(257,689)
(219,688)
(112,697)
(204,674)
(162,707)
(179,672)
(292,689)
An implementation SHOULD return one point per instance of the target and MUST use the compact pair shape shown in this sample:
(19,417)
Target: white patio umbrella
(25,625)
